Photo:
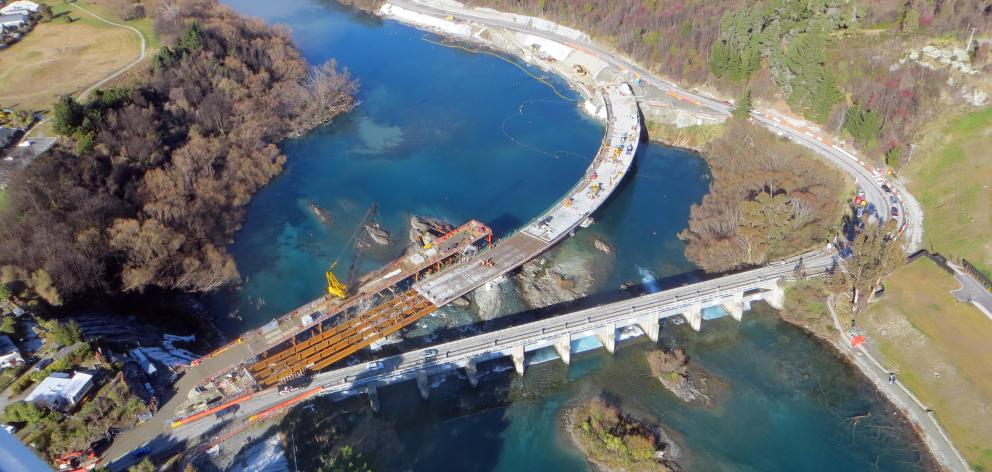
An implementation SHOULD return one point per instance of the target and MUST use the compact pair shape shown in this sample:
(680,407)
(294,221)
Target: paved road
(844,160)
(972,291)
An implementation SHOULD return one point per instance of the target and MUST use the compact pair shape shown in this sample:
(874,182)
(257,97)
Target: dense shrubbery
(769,198)
(162,170)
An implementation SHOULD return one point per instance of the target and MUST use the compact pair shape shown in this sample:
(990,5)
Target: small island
(615,440)
(689,383)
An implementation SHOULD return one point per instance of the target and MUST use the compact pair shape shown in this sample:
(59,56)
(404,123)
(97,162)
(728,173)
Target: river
(452,134)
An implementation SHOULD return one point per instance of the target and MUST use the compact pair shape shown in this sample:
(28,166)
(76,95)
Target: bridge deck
(603,176)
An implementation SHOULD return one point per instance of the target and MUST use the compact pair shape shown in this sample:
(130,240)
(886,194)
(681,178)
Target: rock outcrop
(543,282)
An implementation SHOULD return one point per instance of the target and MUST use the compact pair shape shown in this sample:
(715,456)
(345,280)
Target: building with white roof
(61,391)
(20,6)
(9,355)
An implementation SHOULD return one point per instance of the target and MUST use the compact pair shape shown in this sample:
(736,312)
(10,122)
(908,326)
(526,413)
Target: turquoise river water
(455,135)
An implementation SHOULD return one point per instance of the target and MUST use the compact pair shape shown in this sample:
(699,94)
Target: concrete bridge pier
(373,392)
(649,324)
(518,359)
(735,306)
(424,385)
(776,297)
(472,373)
(695,316)
(564,348)
(608,336)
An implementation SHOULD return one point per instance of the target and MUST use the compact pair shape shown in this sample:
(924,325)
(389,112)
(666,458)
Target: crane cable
(361,225)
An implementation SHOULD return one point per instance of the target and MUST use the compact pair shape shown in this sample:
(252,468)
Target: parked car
(893,199)
(886,188)
(895,211)
(860,212)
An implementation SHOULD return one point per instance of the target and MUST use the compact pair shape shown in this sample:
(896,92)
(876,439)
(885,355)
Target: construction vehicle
(335,287)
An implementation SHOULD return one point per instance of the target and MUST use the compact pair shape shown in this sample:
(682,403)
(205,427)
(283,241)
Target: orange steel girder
(344,339)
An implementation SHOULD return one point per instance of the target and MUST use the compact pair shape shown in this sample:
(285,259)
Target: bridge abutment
(608,336)
(735,306)
(776,297)
(650,325)
(695,316)
(424,385)
(519,357)
(564,348)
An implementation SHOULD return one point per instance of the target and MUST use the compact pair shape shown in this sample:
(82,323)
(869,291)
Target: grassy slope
(941,351)
(58,57)
(951,175)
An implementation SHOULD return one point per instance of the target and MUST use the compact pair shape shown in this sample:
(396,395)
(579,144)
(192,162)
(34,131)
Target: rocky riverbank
(614,440)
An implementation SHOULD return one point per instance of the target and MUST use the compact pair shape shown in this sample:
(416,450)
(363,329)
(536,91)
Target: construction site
(443,263)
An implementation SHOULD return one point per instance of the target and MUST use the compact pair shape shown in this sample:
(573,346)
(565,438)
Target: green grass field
(61,57)
(941,350)
(951,175)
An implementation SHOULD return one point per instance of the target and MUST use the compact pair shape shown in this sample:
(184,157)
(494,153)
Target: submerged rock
(603,246)
(377,234)
(320,213)
(461,302)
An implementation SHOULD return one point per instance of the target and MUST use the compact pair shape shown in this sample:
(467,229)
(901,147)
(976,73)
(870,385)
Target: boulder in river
(377,234)
(689,384)
(320,213)
(603,246)
(543,282)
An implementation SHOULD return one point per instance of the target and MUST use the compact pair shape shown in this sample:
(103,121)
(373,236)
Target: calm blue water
(450,134)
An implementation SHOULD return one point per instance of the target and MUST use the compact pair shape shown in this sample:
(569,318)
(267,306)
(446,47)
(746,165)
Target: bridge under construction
(329,329)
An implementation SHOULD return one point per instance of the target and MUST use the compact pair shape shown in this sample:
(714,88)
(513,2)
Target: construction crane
(334,286)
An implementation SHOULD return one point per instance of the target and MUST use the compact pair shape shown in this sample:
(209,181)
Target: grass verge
(941,351)
(951,175)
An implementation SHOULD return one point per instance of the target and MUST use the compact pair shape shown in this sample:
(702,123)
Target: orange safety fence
(292,401)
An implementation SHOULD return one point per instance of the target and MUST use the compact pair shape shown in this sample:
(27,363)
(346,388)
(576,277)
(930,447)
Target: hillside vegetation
(158,173)
(769,198)
(951,175)
(839,63)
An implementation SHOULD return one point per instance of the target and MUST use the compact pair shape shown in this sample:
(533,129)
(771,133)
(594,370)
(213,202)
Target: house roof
(20,6)
(57,386)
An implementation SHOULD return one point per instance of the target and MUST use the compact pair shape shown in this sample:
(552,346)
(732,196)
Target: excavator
(335,287)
